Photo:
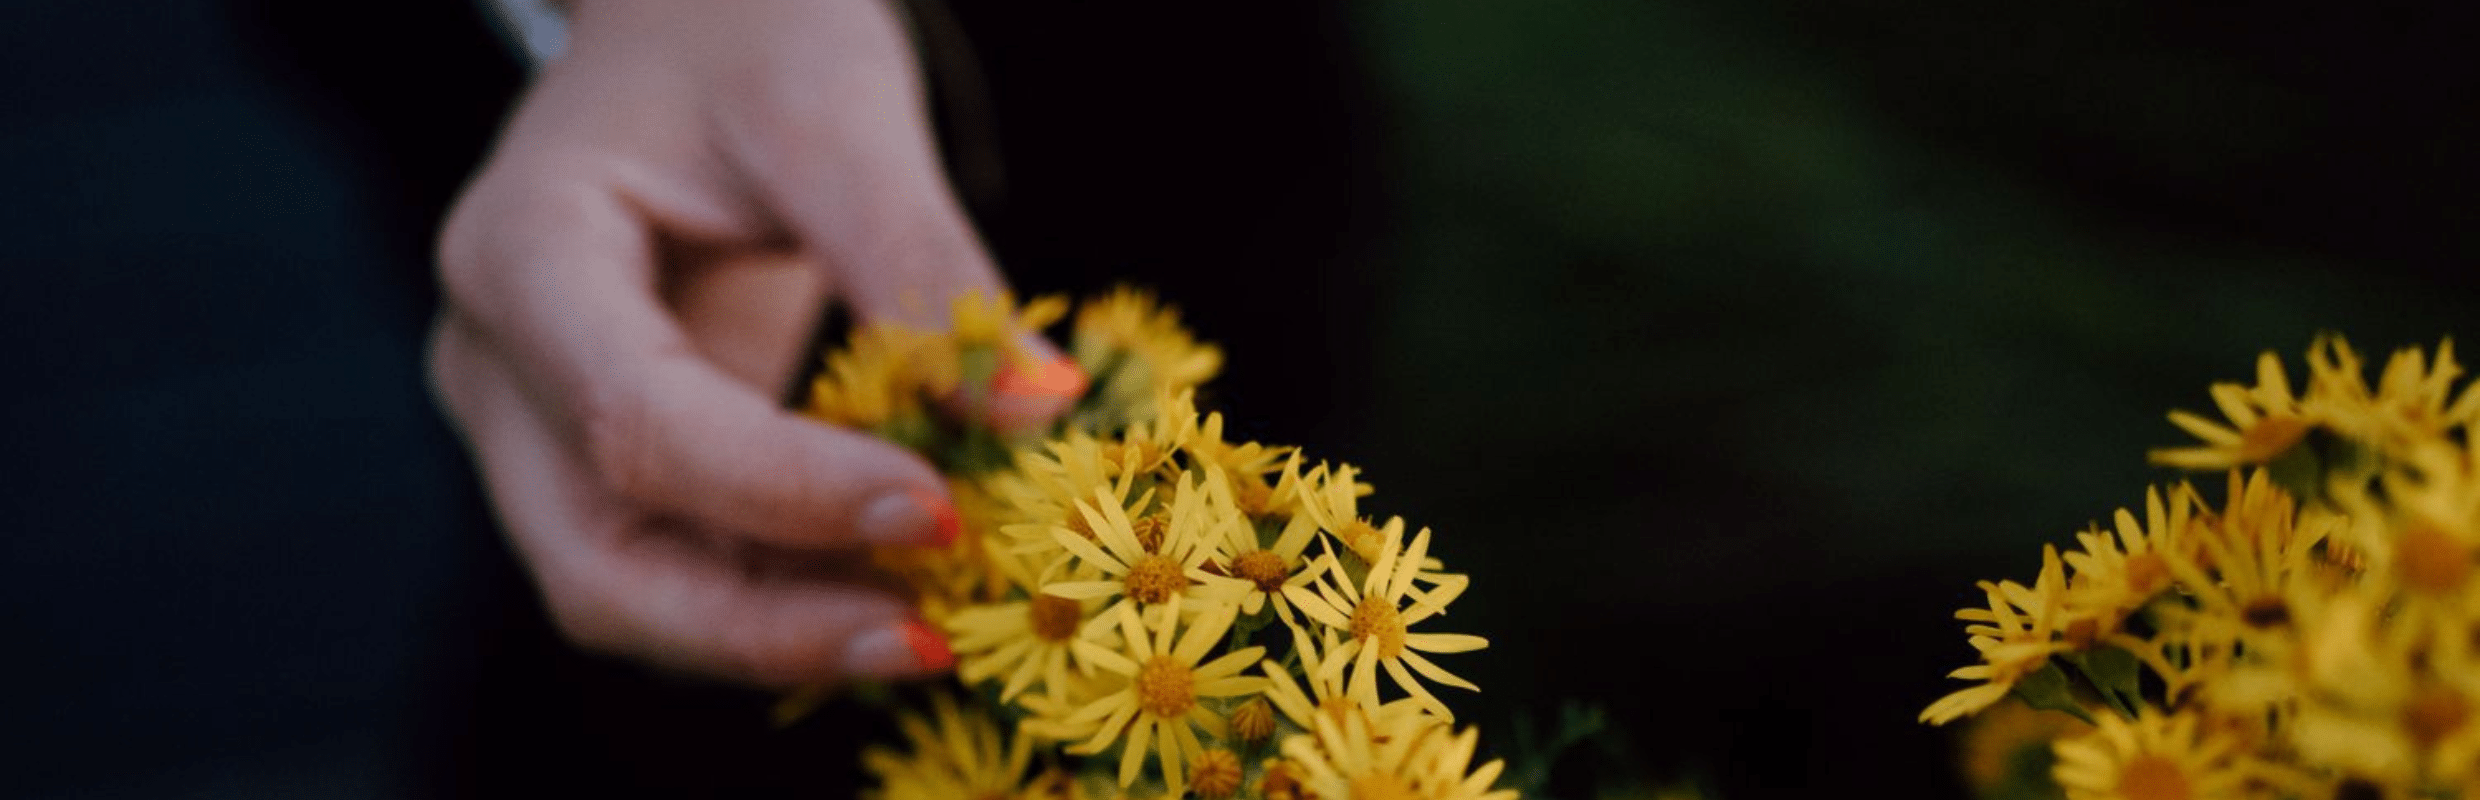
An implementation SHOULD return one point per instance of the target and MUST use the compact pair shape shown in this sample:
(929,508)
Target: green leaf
(2050,690)
(2114,673)
(978,365)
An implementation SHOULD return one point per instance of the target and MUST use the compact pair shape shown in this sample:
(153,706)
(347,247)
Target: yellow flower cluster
(1147,608)
(2316,634)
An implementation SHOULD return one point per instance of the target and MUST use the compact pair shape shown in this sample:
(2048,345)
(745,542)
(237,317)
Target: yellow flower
(2265,420)
(1138,575)
(881,378)
(1271,568)
(992,320)
(1244,467)
(2393,693)
(1157,703)
(2015,637)
(1136,350)
(952,755)
(1042,492)
(2115,577)
(2412,401)
(2425,529)
(1410,758)
(2258,546)
(1378,622)
(1024,643)
(2154,758)
(1994,743)
(1332,497)
(1325,694)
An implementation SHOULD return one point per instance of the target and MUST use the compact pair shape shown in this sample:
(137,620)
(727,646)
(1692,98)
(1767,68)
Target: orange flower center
(2146,573)
(1262,567)
(1376,624)
(2435,713)
(1054,618)
(1154,579)
(2430,559)
(1165,687)
(2151,777)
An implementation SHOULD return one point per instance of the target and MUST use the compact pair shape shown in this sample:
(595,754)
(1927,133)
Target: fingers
(619,581)
(557,280)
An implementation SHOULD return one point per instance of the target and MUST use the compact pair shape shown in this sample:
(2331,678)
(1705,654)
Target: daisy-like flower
(1244,467)
(2393,694)
(1043,491)
(879,379)
(1267,568)
(2016,634)
(1409,758)
(2265,420)
(2414,393)
(2114,577)
(992,322)
(2156,757)
(952,754)
(1134,574)
(1325,696)
(1332,497)
(2429,520)
(2258,546)
(1377,621)
(1023,643)
(1994,743)
(2412,401)
(1156,704)
(1135,349)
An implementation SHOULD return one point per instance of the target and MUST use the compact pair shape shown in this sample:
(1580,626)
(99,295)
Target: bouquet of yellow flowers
(1139,606)
(2315,633)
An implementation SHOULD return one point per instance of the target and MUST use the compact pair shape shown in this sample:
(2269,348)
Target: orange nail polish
(928,646)
(1056,377)
(941,512)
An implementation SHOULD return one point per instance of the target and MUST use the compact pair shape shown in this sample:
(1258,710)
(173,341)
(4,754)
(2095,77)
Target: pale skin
(630,282)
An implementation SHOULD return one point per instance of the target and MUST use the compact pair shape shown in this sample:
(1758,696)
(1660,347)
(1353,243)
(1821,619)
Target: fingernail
(1054,377)
(902,649)
(912,517)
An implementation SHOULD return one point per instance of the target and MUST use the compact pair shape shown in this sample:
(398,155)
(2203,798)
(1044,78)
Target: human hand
(631,281)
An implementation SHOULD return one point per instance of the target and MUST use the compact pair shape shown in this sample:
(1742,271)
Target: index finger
(558,276)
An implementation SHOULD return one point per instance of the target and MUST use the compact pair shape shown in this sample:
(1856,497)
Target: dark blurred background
(1724,343)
